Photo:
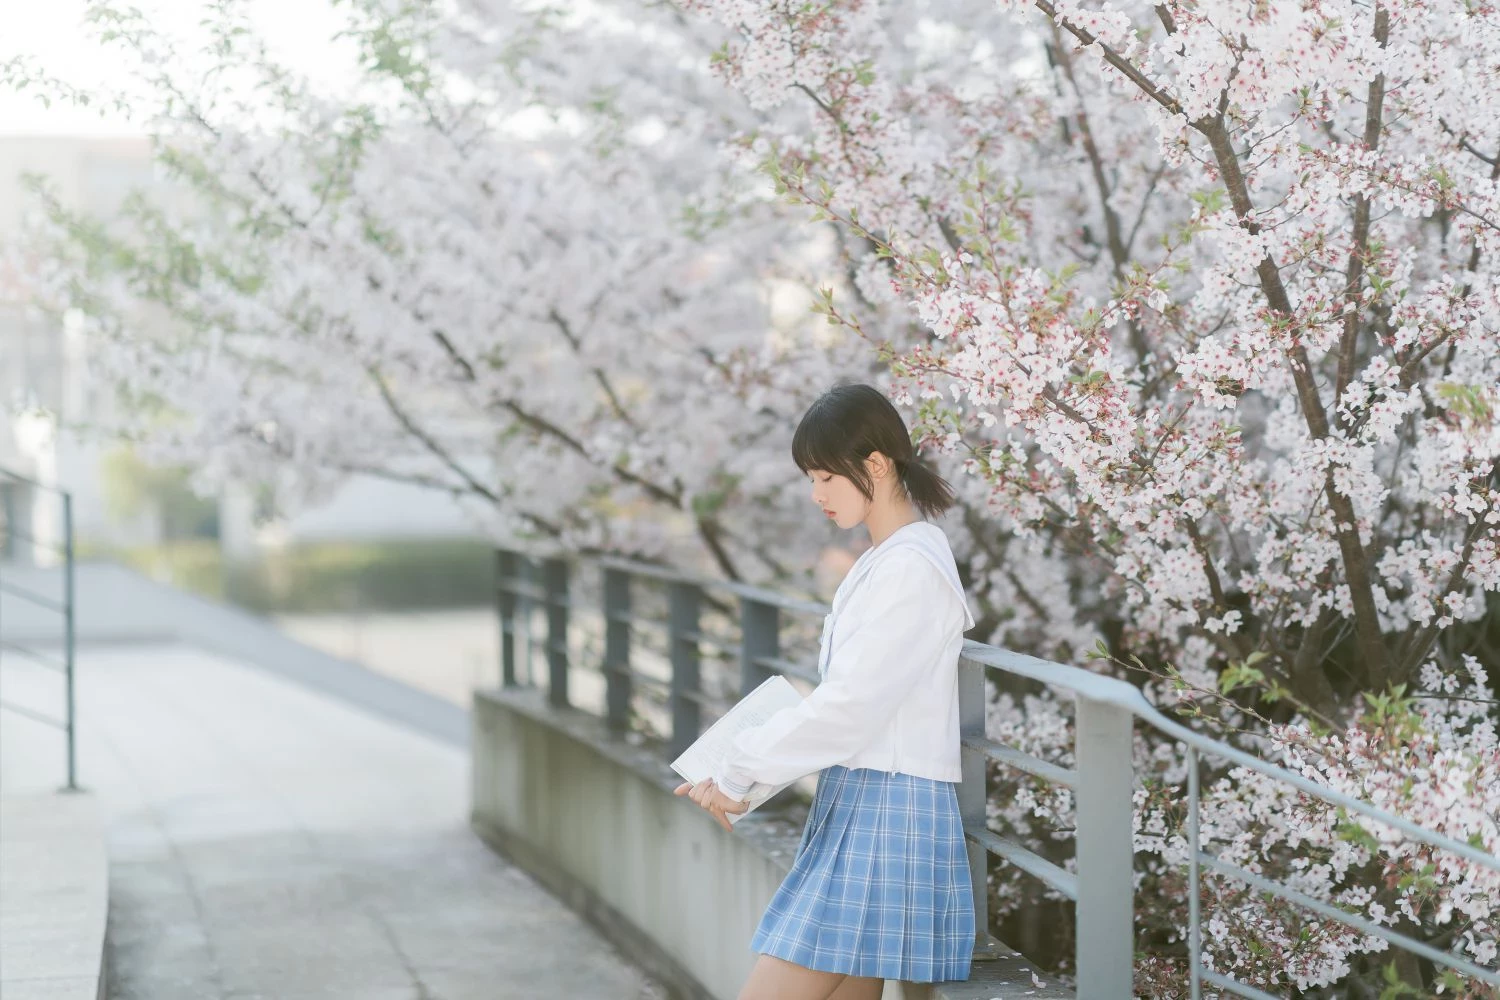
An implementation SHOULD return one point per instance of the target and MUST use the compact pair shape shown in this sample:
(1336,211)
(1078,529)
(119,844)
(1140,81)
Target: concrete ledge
(594,819)
(54,898)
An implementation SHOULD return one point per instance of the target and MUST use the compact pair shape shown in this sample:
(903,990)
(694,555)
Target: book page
(702,759)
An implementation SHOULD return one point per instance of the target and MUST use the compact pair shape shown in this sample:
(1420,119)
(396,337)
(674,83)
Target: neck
(886,518)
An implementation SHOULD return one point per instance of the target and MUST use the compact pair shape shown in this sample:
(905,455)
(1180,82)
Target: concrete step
(54,897)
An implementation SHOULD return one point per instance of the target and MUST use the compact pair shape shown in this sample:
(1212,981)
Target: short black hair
(849,423)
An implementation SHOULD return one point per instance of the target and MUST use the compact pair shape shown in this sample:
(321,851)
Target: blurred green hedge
(394,575)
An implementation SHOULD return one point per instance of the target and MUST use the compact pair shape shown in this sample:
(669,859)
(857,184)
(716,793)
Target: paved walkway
(270,841)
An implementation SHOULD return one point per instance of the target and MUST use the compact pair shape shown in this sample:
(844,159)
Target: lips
(829,513)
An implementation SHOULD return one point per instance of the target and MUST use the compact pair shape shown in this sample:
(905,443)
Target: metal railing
(1102,884)
(12,486)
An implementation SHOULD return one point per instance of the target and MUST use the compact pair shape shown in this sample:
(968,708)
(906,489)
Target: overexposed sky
(53,34)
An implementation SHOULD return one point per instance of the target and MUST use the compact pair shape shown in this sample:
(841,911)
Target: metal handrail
(64,607)
(1113,691)
(1102,777)
(15,476)
(1126,698)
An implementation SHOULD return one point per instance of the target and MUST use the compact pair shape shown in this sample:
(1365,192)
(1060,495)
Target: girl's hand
(707,794)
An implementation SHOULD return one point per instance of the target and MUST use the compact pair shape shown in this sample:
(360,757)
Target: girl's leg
(859,988)
(776,979)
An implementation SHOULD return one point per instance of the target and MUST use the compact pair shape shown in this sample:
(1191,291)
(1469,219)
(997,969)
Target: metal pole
(760,639)
(684,599)
(505,596)
(1195,933)
(69,639)
(526,612)
(8,505)
(617,649)
(555,574)
(1106,938)
(972,791)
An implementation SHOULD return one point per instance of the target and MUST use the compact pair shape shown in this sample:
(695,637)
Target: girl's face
(840,499)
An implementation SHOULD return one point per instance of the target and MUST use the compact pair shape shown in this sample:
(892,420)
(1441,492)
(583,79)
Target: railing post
(1105,845)
(760,639)
(525,617)
(973,793)
(617,649)
(507,579)
(684,600)
(555,582)
(69,642)
(8,547)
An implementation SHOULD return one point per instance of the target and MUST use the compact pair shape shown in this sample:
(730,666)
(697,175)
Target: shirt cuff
(733,789)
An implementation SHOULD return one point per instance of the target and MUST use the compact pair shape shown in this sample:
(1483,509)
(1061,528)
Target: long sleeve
(908,609)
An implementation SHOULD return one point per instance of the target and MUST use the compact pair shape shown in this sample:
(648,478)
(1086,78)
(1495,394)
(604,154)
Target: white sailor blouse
(888,664)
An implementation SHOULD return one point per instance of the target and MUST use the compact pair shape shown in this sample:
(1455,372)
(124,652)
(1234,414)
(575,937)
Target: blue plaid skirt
(880,886)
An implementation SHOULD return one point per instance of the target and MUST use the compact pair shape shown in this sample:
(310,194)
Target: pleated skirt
(880,886)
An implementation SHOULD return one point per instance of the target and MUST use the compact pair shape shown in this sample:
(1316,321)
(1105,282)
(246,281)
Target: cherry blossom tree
(1205,302)
(513,266)
(1213,290)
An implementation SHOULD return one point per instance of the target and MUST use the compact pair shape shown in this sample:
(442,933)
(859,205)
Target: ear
(878,465)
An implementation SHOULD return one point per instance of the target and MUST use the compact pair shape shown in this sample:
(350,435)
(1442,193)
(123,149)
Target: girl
(880,887)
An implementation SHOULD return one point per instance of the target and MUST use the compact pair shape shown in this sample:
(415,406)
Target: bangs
(823,442)
(849,423)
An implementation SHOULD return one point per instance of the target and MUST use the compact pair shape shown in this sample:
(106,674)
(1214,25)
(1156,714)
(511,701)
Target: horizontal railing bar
(760,595)
(17,477)
(31,714)
(521,590)
(1011,757)
(1112,691)
(659,626)
(711,641)
(657,682)
(1358,923)
(539,601)
(703,698)
(789,668)
(37,542)
(1033,864)
(50,662)
(35,598)
(1326,794)
(1235,987)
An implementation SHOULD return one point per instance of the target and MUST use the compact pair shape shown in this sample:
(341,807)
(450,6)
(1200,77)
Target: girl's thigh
(776,979)
(859,988)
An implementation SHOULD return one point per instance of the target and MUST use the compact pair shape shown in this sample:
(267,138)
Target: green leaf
(1239,675)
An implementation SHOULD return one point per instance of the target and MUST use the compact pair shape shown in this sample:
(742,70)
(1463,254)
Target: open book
(701,760)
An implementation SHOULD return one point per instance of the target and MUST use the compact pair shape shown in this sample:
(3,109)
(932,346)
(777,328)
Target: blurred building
(42,363)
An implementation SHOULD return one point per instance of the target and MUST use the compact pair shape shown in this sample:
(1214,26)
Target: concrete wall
(596,821)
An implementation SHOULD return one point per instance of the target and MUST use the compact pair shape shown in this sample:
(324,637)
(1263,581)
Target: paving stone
(59,988)
(269,842)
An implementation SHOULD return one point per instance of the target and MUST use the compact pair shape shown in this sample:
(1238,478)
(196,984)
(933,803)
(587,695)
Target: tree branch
(427,440)
(1359,249)
(598,373)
